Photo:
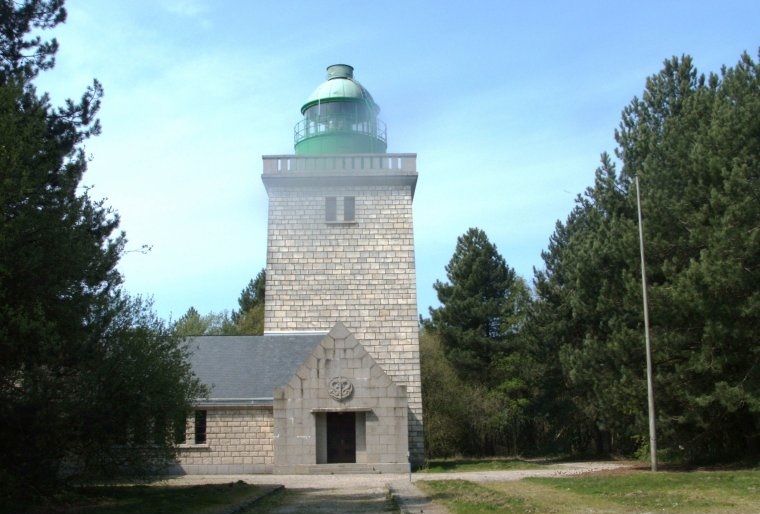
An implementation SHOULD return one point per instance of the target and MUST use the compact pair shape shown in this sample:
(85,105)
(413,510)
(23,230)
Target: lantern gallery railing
(323,125)
(399,162)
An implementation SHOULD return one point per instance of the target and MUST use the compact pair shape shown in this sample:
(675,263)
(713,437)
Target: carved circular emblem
(340,388)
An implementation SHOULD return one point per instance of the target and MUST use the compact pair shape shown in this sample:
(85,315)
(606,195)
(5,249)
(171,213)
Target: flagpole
(650,384)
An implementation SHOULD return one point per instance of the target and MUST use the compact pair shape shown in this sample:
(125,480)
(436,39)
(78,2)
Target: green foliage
(584,316)
(703,200)
(247,321)
(478,306)
(78,356)
(444,400)
(22,58)
(695,144)
(192,323)
(251,323)
(136,395)
(475,396)
(252,296)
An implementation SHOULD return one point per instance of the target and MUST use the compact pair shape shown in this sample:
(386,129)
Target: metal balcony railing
(332,124)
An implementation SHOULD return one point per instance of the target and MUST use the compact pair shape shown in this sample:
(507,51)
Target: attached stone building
(334,383)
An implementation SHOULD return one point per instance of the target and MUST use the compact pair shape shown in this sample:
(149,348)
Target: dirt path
(370,494)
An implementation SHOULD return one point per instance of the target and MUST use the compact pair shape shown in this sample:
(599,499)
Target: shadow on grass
(142,499)
(319,501)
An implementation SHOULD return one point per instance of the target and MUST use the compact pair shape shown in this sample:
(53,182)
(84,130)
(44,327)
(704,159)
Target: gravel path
(552,470)
(369,493)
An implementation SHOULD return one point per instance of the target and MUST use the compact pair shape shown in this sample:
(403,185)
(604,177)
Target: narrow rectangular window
(348,208)
(200,427)
(331,208)
(179,427)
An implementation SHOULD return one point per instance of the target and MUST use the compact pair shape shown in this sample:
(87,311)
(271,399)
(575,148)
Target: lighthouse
(333,385)
(340,252)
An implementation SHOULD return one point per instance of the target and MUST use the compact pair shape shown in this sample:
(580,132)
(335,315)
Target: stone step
(350,468)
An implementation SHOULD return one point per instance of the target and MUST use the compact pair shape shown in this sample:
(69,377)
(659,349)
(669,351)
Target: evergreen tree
(252,295)
(249,319)
(581,326)
(478,326)
(251,323)
(475,305)
(694,141)
(23,57)
(80,359)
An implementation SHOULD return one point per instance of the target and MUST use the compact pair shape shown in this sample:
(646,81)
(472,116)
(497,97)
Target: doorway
(341,437)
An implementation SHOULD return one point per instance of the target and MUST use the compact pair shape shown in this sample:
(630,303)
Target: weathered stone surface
(238,440)
(359,273)
(299,430)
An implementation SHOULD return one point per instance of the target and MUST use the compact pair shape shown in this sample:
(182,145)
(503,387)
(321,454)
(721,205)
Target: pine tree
(474,305)
(249,318)
(701,196)
(694,143)
(81,361)
(478,324)
(252,295)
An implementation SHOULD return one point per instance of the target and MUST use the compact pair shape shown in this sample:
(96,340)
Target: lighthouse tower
(340,242)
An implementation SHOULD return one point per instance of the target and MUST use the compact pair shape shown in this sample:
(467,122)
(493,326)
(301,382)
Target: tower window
(346,215)
(348,208)
(331,208)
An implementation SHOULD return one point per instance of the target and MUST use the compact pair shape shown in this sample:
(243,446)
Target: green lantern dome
(340,117)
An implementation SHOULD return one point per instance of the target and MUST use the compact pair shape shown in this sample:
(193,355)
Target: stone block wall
(360,272)
(238,440)
(380,404)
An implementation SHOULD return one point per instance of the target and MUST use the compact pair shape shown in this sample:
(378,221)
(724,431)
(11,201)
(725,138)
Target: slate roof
(241,369)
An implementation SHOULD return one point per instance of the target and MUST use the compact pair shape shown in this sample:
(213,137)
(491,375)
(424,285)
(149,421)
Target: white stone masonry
(359,271)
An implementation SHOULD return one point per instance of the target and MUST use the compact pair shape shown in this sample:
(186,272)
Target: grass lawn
(706,492)
(451,466)
(141,499)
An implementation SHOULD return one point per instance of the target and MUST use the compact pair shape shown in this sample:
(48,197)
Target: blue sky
(507,104)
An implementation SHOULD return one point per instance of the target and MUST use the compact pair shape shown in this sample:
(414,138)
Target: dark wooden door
(341,437)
